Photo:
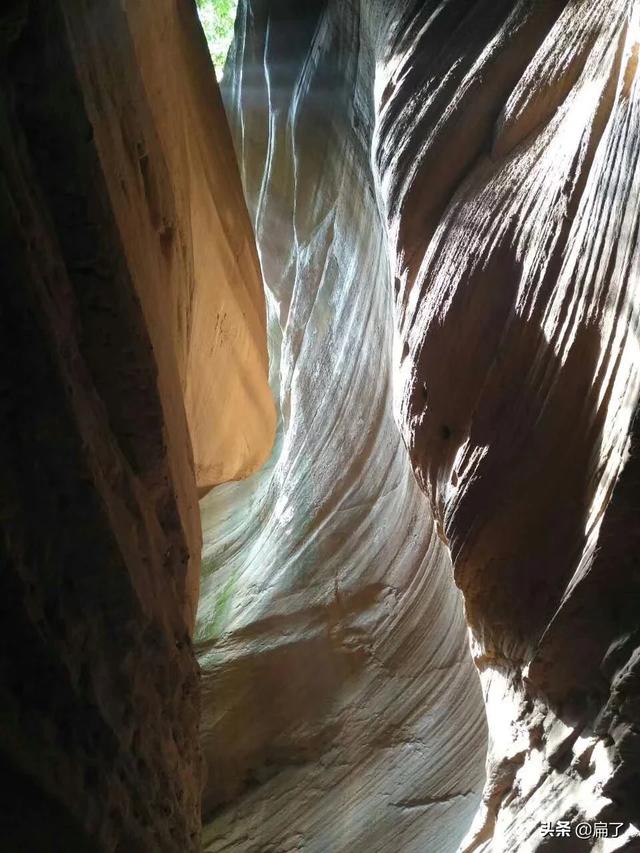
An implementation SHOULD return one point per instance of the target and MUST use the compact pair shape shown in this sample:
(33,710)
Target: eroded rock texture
(164,145)
(507,148)
(173,181)
(118,246)
(467,173)
(341,711)
(213,308)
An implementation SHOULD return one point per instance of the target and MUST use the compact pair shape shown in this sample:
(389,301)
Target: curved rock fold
(445,198)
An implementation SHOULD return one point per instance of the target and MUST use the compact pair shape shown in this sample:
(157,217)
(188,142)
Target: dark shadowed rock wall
(117,247)
(507,151)
(446,201)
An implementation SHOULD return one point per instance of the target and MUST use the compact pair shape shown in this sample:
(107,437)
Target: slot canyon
(318,427)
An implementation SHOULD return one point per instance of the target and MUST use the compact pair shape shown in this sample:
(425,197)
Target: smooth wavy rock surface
(507,147)
(341,710)
(466,173)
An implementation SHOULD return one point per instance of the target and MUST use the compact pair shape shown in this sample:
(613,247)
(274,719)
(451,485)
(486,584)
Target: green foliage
(218,17)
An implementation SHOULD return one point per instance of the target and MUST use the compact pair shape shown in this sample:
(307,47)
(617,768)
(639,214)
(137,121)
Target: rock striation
(341,710)
(446,201)
(417,626)
(508,165)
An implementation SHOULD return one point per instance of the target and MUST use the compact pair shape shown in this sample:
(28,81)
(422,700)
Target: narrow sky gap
(218,17)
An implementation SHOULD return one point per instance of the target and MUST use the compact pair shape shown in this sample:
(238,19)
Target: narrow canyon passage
(445,199)
(319,436)
(341,710)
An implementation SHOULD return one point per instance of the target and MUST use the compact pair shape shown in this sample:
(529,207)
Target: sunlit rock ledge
(445,199)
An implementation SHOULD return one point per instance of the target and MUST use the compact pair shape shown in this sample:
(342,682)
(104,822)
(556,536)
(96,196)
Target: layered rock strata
(467,174)
(508,163)
(341,710)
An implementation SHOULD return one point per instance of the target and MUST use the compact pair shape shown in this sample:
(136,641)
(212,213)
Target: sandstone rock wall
(167,156)
(466,173)
(215,298)
(507,151)
(446,202)
(341,710)
(131,322)
(99,684)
